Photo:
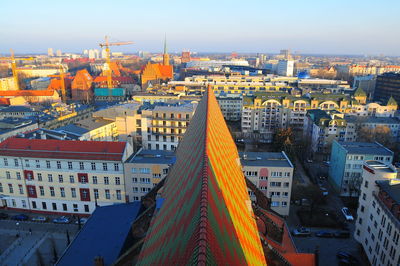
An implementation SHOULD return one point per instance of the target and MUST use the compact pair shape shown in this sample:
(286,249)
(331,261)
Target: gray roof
(71,128)
(373,148)
(16,108)
(267,159)
(392,189)
(371,119)
(103,234)
(152,157)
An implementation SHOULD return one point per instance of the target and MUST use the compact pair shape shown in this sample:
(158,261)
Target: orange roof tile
(27,93)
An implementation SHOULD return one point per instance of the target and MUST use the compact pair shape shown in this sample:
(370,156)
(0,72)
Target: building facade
(346,164)
(387,85)
(272,173)
(60,176)
(144,170)
(378,216)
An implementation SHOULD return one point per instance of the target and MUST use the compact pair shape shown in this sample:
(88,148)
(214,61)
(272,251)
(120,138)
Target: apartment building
(144,170)
(378,216)
(231,106)
(61,176)
(321,128)
(272,173)
(346,164)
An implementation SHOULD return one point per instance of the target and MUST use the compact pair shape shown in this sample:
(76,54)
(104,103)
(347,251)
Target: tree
(381,134)
(283,139)
(310,192)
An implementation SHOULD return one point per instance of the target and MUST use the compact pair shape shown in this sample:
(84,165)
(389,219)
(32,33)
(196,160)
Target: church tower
(165,54)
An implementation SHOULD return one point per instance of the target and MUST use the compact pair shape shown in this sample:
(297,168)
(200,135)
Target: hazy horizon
(308,27)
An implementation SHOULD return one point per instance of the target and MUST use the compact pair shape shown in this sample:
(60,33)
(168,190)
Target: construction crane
(14,67)
(107,69)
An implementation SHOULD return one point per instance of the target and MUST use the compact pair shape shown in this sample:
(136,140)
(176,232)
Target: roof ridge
(203,225)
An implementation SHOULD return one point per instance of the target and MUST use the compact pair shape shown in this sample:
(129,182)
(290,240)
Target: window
(64,207)
(93,165)
(83,178)
(105,168)
(44,207)
(70,165)
(165,171)
(286,184)
(60,179)
(48,164)
(118,192)
(144,170)
(107,193)
(71,179)
(96,193)
(145,180)
(275,204)
(134,180)
(116,167)
(21,190)
(94,179)
(284,203)
(58,165)
(50,177)
(5,161)
(359,220)
(73,192)
(362,208)
(39,177)
(81,166)
(366,184)
(10,188)
(1,187)
(8,175)
(106,180)
(62,192)
(54,205)
(117,181)
(75,207)
(34,205)
(41,189)
(85,194)
(37,162)
(18,175)
(52,193)
(86,207)
(135,189)
(16,163)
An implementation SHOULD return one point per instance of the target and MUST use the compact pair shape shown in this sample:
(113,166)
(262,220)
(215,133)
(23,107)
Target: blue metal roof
(103,234)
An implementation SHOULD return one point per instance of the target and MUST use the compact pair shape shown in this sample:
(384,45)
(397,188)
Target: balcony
(171,119)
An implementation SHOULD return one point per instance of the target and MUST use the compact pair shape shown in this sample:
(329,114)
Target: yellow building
(61,176)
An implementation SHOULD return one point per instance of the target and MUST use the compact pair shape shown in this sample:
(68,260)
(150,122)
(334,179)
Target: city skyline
(347,28)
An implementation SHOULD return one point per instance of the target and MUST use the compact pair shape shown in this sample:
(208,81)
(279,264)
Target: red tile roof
(63,149)
(123,80)
(27,93)
(5,101)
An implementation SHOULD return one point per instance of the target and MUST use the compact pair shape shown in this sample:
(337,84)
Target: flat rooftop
(366,148)
(393,189)
(152,157)
(269,159)
(380,167)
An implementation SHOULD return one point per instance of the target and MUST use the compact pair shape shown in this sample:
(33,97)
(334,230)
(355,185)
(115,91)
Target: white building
(378,216)
(285,68)
(272,173)
(61,176)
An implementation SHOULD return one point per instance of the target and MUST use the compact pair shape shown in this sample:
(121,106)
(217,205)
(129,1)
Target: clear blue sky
(308,26)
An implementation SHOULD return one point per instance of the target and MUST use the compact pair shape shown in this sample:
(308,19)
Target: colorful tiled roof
(63,149)
(206,217)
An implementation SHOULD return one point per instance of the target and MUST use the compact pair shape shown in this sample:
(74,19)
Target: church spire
(165,54)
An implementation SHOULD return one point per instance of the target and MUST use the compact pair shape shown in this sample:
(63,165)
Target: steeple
(165,54)
(391,102)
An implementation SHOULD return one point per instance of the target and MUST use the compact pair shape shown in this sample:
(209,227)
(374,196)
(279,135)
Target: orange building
(154,73)
(81,88)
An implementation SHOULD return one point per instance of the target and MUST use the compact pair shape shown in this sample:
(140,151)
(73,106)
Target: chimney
(98,261)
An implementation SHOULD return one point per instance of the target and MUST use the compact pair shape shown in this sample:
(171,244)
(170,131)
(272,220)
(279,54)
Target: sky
(362,27)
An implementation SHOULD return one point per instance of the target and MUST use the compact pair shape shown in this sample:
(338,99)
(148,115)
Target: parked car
(301,231)
(41,219)
(20,217)
(341,234)
(309,161)
(3,215)
(240,140)
(323,234)
(347,214)
(324,191)
(61,220)
(345,256)
(83,220)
